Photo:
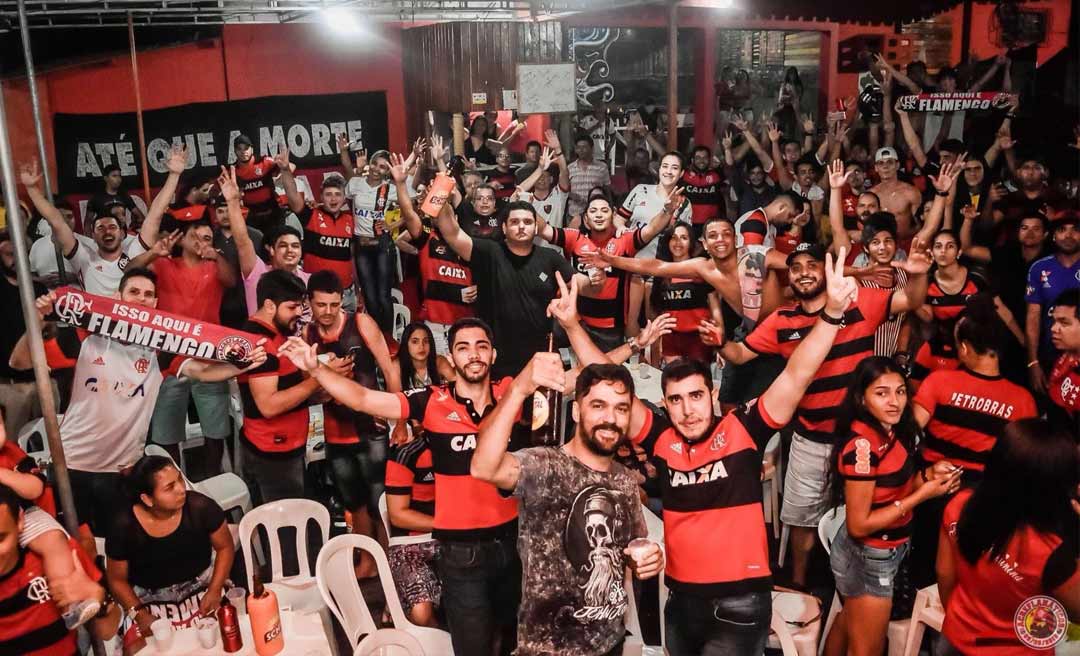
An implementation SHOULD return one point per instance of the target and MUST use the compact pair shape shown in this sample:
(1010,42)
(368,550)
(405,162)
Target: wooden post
(138,113)
(705,88)
(673,77)
(458,126)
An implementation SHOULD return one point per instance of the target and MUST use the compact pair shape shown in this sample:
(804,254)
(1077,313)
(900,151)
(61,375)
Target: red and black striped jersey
(981,615)
(946,309)
(870,455)
(409,472)
(704,192)
(1064,383)
(712,502)
(30,621)
(328,242)
(606,309)
(686,299)
(782,332)
(256,180)
(466,508)
(753,229)
(444,276)
(967,412)
(287,432)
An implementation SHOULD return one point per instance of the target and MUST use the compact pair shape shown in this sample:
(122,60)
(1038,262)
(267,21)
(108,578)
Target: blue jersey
(1047,279)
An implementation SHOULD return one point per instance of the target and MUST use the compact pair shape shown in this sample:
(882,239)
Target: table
(305,635)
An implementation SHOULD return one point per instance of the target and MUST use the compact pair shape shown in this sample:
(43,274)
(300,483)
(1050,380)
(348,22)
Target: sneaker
(80,613)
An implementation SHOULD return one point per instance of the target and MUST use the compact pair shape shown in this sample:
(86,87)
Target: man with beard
(603,310)
(475,525)
(720,582)
(275,396)
(578,509)
(255,176)
(805,498)
(1034,195)
(703,185)
(877,248)
(547,197)
(1047,279)
(899,198)
(515,282)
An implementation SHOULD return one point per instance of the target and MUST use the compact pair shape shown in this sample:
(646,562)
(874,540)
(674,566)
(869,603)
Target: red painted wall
(248,61)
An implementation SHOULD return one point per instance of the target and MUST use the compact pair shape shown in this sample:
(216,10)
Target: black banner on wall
(87,143)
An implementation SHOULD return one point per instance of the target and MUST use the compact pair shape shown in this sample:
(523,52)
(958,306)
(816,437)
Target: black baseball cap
(816,251)
(242,140)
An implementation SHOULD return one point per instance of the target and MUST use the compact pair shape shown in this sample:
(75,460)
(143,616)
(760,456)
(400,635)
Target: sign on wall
(87,143)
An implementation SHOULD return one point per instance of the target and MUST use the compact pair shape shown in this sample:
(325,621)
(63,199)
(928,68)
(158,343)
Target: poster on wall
(87,143)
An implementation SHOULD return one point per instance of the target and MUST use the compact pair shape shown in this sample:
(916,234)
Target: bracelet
(835,321)
(1033,363)
(943,194)
(900,506)
(635,348)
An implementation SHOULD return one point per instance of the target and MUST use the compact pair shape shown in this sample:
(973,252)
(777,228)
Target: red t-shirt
(981,613)
(256,180)
(1064,385)
(14,458)
(190,291)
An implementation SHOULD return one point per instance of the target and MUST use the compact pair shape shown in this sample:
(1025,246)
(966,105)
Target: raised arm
(461,243)
(545,161)
(967,241)
(916,265)
(944,183)
(782,172)
(245,248)
(551,138)
(296,202)
(911,138)
(897,75)
(62,235)
(782,397)
(837,180)
(755,145)
(345,391)
(413,224)
(999,61)
(151,226)
(348,165)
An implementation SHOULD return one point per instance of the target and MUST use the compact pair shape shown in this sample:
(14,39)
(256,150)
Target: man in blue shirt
(1047,278)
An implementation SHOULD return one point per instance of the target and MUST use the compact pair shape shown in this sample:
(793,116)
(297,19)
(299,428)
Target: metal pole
(673,77)
(35,105)
(138,112)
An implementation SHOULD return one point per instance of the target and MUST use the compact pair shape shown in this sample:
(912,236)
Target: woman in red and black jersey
(686,299)
(874,471)
(951,286)
(1007,554)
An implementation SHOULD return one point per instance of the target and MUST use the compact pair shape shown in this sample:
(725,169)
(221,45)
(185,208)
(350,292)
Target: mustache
(609,427)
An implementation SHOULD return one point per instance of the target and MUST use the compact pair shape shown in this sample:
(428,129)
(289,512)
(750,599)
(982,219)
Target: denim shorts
(861,570)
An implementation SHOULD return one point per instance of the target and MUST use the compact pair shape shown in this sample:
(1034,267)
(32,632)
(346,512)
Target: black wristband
(836,321)
(943,194)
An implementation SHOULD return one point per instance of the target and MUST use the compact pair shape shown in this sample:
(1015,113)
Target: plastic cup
(238,598)
(207,628)
(163,633)
(640,548)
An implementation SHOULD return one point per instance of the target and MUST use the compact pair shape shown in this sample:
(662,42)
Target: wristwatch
(836,321)
(943,194)
(635,348)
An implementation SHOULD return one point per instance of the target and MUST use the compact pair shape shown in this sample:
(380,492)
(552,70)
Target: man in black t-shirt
(100,202)
(515,282)
(479,217)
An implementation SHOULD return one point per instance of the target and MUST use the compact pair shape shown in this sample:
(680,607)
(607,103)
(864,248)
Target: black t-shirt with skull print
(573,524)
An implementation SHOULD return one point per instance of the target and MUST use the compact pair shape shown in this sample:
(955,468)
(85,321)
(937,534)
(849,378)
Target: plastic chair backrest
(402,317)
(278,514)
(389,642)
(394,541)
(335,575)
(158,450)
(830,525)
(32,428)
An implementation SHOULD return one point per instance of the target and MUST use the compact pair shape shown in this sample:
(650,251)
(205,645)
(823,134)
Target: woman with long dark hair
(686,299)
(1010,539)
(873,470)
(170,551)
(420,365)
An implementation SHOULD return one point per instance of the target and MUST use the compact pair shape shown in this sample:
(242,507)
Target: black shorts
(358,471)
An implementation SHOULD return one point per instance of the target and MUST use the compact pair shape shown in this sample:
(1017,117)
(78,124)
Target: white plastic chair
(389,642)
(299,592)
(800,616)
(828,527)
(37,426)
(337,584)
(228,490)
(927,612)
(397,296)
(401,539)
(402,317)
(771,480)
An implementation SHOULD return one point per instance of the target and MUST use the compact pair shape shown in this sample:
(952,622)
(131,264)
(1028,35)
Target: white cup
(163,633)
(208,631)
(640,548)
(238,597)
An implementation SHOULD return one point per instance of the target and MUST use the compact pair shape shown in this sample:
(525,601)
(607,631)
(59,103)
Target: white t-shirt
(100,276)
(642,204)
(112,398)
(552,210)
(43,261)
(363,197)
(813,193)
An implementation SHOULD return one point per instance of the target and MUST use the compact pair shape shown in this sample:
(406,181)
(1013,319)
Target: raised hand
(950,171)
(886,79)
(361,159)
(727,141)
(282,159)
(30,174)
(163,247)
(662,325)
(837,177)
(674,200)
(227,183)
(551,138)
(969,212)
(808,123)
(176,162)
(437,150)
(841,290)
(208,252)
(544,370)
(774,132)
(740,124)
(418,146)
(397,168)
(44,305)
(306,358)
(564,308)
(918,260)
(1005,141)
(546,158)
(342,142)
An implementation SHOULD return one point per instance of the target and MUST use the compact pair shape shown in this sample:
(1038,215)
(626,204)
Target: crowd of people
(900,306)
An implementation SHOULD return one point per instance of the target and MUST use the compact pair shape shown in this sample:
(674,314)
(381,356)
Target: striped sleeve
(858,462)
(627,209)
(753,231)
